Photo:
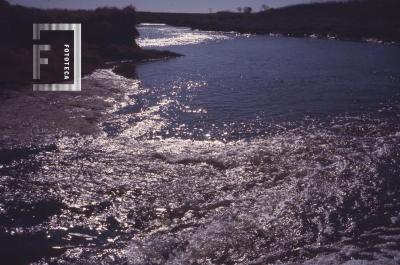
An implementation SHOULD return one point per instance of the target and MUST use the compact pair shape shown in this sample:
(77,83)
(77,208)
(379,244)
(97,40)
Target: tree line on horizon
(346,20)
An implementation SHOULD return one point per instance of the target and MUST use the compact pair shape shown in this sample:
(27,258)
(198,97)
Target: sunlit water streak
(158,35)
(168,181)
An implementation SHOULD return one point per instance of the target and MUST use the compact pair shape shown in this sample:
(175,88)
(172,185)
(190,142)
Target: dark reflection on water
(248,150)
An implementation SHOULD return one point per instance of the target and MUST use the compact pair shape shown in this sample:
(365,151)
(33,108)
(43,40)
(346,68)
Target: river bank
(108,36)
(369,20)
(31,119)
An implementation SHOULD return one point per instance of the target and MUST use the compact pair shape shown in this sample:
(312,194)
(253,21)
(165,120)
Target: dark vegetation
(108,34)
(352,20)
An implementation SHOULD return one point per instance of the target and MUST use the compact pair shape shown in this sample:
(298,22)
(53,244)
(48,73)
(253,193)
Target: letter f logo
(37,60)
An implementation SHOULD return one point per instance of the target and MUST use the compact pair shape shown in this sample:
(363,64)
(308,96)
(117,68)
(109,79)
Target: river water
(246,150)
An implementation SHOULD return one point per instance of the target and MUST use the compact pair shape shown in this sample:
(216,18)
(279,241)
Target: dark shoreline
(109,36)
(366,21)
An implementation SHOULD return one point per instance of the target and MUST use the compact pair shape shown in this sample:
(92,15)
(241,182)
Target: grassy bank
(108,34)
(353,20)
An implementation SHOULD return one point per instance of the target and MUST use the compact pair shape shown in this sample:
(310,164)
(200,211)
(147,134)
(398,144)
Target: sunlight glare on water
(157,35)
(191,164)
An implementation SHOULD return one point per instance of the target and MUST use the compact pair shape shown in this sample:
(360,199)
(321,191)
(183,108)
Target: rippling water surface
(247,150)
